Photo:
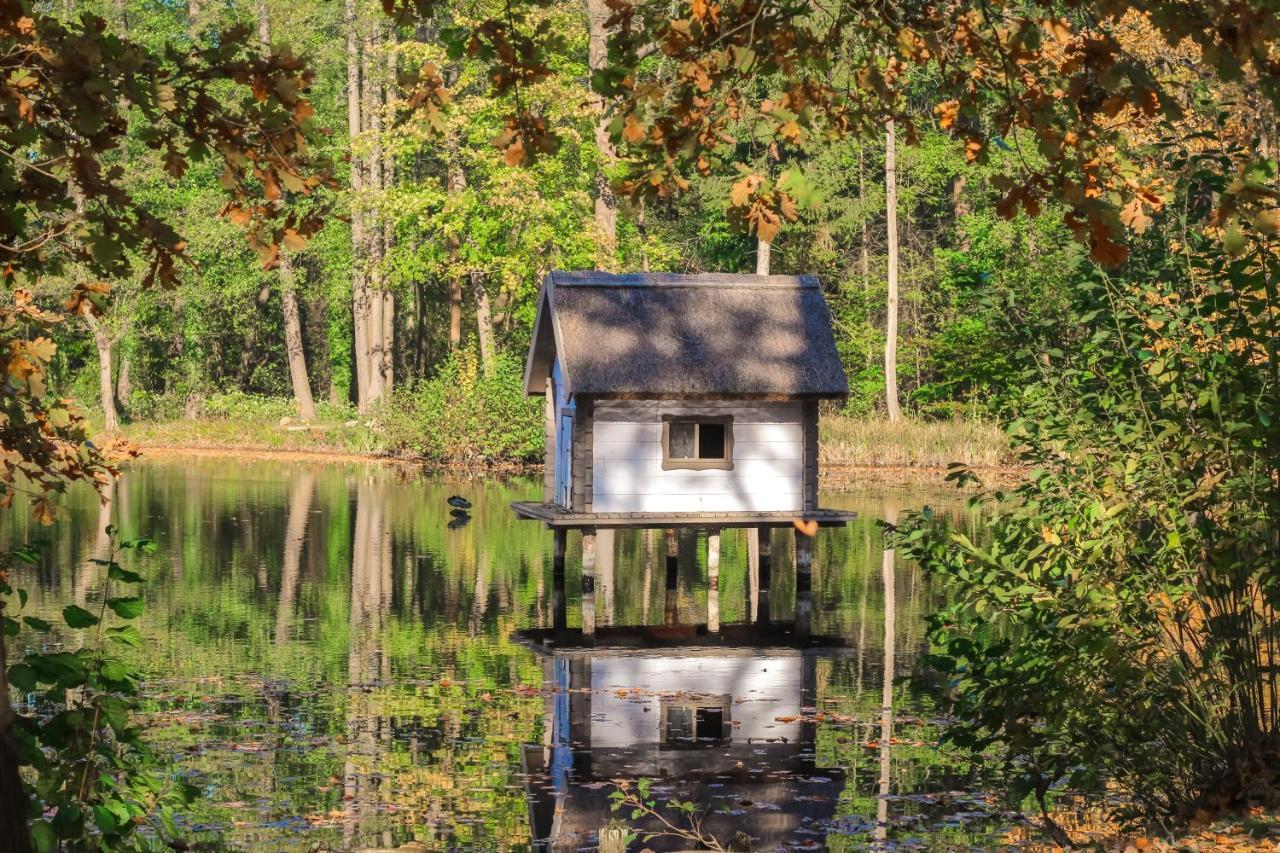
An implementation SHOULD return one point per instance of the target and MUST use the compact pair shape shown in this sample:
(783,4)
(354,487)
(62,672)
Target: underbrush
(462,416)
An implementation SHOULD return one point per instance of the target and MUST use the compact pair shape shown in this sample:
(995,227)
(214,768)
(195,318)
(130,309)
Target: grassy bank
(862,443)
(845,443)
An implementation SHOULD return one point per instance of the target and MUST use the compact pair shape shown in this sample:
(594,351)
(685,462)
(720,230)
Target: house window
(697,443)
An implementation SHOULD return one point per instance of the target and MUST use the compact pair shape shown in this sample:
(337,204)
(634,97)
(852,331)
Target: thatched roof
(662,335)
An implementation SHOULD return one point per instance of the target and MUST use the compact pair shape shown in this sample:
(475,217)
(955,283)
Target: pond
(340,663)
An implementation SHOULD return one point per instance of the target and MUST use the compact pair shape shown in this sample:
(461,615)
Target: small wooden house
(682,395)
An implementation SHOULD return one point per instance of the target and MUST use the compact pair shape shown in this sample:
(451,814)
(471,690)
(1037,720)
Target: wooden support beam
(559,602)
(804,585)
(713,580)
(762,581)
(671,606)
(589,581)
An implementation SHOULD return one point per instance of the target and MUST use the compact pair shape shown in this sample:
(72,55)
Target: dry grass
(858,443)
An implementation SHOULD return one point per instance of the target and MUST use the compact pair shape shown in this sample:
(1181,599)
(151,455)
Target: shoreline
(831,475)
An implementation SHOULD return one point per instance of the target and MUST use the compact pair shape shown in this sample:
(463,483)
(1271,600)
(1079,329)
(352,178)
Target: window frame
(724,463)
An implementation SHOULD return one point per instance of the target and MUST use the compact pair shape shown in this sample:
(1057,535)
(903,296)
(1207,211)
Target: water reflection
(340,667)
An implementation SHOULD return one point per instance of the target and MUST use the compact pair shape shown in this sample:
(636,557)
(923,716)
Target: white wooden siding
(768,462)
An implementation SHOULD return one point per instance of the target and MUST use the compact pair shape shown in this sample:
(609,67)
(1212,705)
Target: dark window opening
(697,443)
(711,441)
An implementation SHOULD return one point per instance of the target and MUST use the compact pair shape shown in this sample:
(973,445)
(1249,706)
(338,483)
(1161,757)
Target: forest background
(438,246)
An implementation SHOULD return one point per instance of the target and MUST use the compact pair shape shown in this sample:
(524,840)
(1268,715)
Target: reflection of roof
(660,334)
(733,639)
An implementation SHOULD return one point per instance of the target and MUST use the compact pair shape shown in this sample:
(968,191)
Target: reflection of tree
(300,497)
(367,664)
(886,695)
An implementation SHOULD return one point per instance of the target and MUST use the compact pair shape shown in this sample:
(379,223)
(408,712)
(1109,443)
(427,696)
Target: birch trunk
(359,279)
(371,86)
(106,388)
(891,319)
(763,251)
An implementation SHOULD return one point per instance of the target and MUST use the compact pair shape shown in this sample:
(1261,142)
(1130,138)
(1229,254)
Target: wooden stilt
(753,573)
(764,578)
(559,612)
(671,604)
(589,581)
(804,585)
(713,581)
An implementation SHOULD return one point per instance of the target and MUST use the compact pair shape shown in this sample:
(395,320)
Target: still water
(341,664)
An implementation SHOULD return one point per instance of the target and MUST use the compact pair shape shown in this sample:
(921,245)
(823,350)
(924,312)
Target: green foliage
(463,416)
(93,782)
(237,405)
(1115,623)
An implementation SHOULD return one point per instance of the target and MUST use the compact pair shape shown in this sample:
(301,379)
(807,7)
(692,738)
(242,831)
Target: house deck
(557,517)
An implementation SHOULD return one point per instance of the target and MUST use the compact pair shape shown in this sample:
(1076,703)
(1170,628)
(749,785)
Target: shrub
(1117,625)
(462,416)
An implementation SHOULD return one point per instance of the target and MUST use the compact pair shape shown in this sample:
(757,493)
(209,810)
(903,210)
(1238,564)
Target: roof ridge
(600,278)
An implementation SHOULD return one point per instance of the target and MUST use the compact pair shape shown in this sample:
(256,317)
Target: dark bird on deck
(458,502)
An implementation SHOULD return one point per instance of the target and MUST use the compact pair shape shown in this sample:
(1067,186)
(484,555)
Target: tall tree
(891,314)
(360,294)
(294,352)
(598,14)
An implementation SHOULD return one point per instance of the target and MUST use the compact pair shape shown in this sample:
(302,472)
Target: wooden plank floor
(556,516)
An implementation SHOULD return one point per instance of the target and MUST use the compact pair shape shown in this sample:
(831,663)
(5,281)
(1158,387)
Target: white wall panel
(627,469)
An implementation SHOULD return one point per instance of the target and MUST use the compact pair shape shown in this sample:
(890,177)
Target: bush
(1117,624)
(462,416)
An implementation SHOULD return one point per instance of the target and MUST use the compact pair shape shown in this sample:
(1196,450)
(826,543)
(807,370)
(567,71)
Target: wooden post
(613,837)
(804,585)
(753,573)
(713,580)
(559,612)
(604,574)
(671,608)
(764,574)
(589,581)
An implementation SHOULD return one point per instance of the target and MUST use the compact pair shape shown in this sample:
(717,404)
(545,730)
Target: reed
(872,443)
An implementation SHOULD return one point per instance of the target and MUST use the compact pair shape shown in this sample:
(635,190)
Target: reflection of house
(702,722)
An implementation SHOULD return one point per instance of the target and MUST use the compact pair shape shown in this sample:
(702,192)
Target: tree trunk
(106,388)
(959,210)
(388,177)
(294,352)
(13,797)
(891,319)
(359,279)
(455,182)
(763,250)
(484,326)
(598,12)
(372,74)
(193,18)
(293,343)
(124,381)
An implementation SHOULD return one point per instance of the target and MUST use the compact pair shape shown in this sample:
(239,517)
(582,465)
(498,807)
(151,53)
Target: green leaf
(126,608)
(118,573)
(126,634)
(35,623)
(43,839)
(22,677)
(77,617)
